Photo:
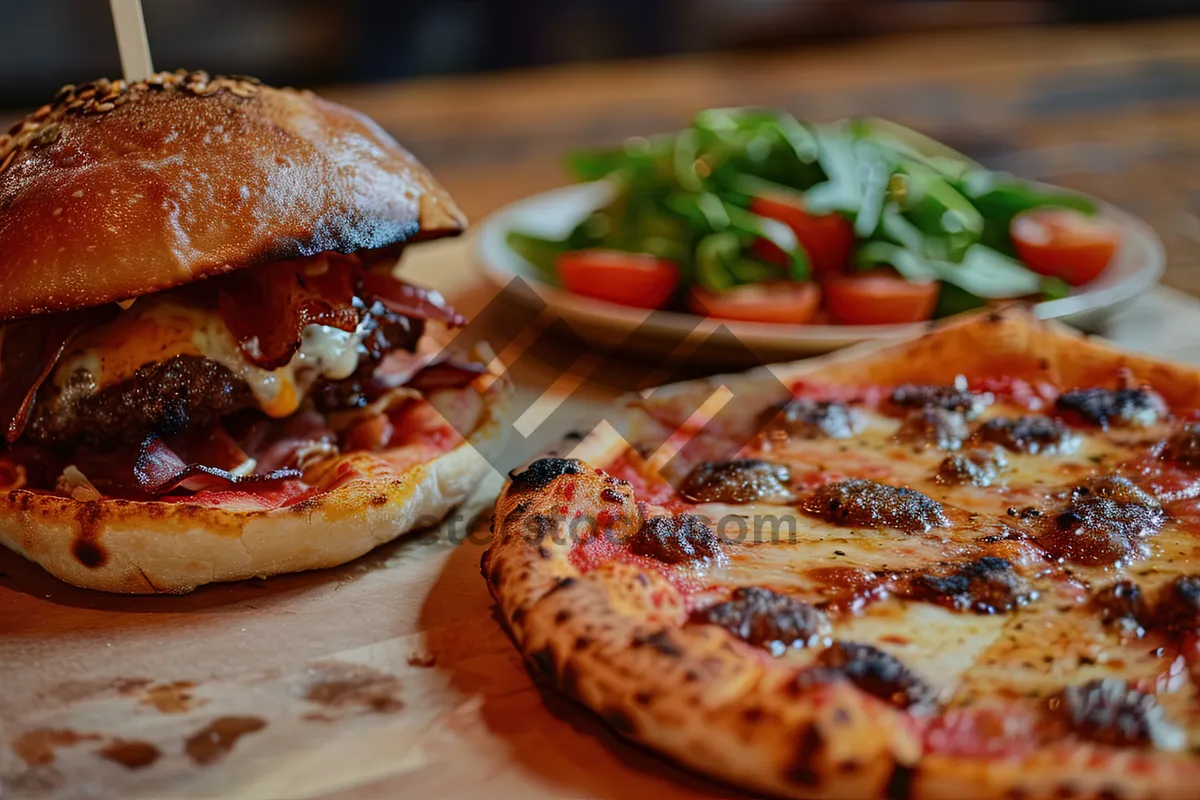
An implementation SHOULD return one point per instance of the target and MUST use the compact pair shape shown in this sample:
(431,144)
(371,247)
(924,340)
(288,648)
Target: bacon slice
(268,308)
(292,442)
(159,469)
(198,461)
(411,301)
(28,354)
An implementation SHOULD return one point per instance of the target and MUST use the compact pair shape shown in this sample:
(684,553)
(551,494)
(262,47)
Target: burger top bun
(113,191)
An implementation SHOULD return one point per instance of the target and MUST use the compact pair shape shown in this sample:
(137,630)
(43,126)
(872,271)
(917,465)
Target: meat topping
(1032,434)
(1122,604)
(863,503)
(814,419)
(875,672)
(676,540)
(1179,606)
(1103,523)
(767,619)
(1136,407)
(740,481)
(1111,712)
(949,398)
(1184,445)
(975,467)
(933,427)
(166,398)
(988,585)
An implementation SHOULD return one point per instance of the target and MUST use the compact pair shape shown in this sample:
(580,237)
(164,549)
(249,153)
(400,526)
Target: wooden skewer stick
(132,40)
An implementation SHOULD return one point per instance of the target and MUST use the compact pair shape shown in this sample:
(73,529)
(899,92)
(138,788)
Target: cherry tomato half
(785,302)
(827,238)
(628,279)
(879,297)
(1064,244)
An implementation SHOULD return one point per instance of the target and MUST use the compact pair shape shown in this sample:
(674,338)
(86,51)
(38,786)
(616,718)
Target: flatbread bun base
(136,547)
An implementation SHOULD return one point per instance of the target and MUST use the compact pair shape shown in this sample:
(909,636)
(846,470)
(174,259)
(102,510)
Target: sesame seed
(8,159)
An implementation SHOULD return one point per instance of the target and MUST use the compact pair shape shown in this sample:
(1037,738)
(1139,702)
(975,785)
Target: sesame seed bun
(115,191)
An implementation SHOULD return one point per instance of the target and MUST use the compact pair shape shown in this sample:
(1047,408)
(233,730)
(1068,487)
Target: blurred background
(1100,95)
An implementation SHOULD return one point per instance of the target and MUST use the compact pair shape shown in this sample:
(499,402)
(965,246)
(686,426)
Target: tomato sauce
(651,489)
(1033,396)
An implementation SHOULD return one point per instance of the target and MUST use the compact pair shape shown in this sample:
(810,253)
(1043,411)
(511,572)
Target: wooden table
(390,676)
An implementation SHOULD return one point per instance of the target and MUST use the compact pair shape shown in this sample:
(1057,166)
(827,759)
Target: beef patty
(166,397)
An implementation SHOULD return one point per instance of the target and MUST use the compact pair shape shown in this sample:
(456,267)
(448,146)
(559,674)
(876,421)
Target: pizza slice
(962,566)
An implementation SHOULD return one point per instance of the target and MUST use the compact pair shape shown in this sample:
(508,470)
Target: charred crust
(767,619)
(878,673)
(1135,407)
(562,616)
(976,467)
(568,682)
(660,641)
(900,783)
(542,473)
(933,427)
(804,768)
(678,539)
(988,585)
(1183,446)
(485,560)
(1029,434)
(619,721)
(87,549)
(538,527)
(89,554)
(740,481)
(858,502)
(520,508)
(1111,712)
(563,583)
(542,663)
(812,419)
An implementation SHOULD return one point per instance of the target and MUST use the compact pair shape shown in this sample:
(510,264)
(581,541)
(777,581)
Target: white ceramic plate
(1136,269)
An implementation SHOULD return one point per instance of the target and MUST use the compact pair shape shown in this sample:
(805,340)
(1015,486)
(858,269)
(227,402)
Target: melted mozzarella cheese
(160,328)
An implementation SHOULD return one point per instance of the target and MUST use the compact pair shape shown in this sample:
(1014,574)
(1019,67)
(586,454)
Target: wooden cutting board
(385,677)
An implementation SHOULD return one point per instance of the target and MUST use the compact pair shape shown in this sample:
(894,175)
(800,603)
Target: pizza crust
(137,547)
(610,637)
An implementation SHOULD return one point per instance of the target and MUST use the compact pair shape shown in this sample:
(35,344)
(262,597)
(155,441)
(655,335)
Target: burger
(208,370)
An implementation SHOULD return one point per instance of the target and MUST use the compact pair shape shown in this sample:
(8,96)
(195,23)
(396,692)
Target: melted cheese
(160,328)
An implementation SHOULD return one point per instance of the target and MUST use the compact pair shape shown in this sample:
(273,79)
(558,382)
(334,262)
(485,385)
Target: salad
(750,214)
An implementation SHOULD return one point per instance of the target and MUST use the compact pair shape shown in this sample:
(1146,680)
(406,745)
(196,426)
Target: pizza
(962,566)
